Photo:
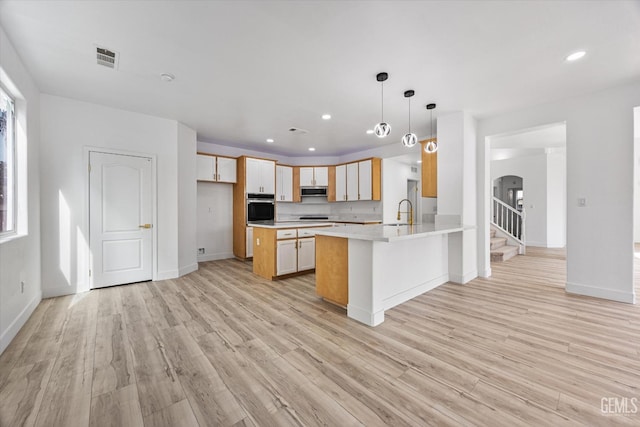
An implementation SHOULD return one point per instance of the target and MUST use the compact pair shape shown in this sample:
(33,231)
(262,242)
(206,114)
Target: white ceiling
(529,142)
(249,70)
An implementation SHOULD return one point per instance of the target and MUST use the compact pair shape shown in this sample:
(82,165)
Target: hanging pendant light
(409,139)
(382,129)
(432,145)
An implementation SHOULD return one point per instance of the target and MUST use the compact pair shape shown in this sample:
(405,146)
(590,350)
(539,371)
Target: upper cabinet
(355,181)
(260,176)
(314,176)
(284,183)
(429,172)
(215,168)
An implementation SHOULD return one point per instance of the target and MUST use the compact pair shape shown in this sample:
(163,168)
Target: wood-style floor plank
(223,347)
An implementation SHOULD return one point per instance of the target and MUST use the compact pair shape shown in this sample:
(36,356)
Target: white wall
(20,257)
(394,189)
(215,220)
(187,200)
(556,198)
(68,126)
(599,263)
(533,170)
(636,173)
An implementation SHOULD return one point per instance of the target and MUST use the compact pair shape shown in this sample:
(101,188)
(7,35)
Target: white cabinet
(306,254)
(341,183)
(226,168)
(287,257)
(284,184)
(260,176)
(249,234)
(352,181)
(314,176)
(364,180)
(215,168)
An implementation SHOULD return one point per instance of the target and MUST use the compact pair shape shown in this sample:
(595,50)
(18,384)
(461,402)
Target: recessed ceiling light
(369,131)
(166,77)
(312,149)
(575,55)
(269,140)
(326,116)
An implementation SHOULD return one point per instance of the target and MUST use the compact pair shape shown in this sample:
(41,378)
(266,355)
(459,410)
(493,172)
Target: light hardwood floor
(223,347)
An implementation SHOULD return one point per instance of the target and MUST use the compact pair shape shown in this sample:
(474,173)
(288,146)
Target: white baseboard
(462,279)
(10,333)
(486,273)
(188,269)
(167,274)
(592,291)
(411,293)
(58,291)
(215,257)
(364,316)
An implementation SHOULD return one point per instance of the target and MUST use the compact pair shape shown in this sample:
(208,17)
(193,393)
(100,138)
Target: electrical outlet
(200,251)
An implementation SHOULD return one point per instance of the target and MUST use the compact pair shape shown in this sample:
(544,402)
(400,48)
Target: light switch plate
(582,202)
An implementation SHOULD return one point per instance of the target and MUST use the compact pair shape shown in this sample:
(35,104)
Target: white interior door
(120,219)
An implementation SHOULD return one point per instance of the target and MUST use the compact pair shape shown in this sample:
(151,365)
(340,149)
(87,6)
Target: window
(7,164)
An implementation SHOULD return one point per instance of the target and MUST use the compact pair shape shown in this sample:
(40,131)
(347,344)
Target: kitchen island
(370,269)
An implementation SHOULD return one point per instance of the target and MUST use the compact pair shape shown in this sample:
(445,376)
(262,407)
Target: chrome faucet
(410,211)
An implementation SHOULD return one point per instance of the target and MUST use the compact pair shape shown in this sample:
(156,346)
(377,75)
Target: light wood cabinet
(355,181)
(314,176)
(212,168)
(279,252)
(332,269)
(260,176)
(284,183)
(429,172)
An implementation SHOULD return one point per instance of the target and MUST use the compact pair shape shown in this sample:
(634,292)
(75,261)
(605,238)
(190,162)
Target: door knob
(145,226)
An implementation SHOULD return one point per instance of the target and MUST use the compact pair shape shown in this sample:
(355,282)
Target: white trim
(463,279)
(215,257)
(87,149)
(597,292)
(408,294)
(167,274)
(188,269)
(363,316)
(10,333)
(486,273)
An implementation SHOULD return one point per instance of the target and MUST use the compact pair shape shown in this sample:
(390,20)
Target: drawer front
(306,232)
(286,234)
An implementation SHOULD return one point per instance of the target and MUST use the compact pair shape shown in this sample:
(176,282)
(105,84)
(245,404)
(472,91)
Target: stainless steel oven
(260,207)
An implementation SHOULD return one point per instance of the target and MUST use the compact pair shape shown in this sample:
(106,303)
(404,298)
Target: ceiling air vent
(298,131)
(106,57)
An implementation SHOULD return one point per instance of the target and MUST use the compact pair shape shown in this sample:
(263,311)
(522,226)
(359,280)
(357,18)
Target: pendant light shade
(409,139)
(432,145)
(382,129)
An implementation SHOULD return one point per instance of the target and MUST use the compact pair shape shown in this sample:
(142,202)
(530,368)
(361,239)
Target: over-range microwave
(313,191)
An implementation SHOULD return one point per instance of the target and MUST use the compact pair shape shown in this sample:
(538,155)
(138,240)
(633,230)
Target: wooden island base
(332,269)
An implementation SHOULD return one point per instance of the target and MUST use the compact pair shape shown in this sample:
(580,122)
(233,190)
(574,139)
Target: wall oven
(260,207)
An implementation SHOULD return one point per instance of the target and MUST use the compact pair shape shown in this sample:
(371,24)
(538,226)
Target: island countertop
(290,224)
(389,233)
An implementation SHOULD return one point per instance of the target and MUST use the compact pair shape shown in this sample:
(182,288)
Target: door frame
(87,150)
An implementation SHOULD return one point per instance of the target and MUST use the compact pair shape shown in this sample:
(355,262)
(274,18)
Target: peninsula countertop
(289,224)
(389,233)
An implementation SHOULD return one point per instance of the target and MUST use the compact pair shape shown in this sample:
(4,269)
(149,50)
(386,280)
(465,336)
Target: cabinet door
(284,184)
(226,169)
(253,175)
(205,168)
(341,183)
(249,242)
(364,180)
(306,177)
(286,257)
(321,176)
(306,254)
(352,181)
(268,176)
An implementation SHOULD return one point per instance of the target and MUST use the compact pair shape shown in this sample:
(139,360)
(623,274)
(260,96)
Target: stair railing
(508,219)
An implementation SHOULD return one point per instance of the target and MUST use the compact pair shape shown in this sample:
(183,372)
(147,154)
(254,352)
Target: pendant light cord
(382,103)
(409,115)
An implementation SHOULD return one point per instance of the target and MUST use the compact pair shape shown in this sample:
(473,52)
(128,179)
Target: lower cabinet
(283,251)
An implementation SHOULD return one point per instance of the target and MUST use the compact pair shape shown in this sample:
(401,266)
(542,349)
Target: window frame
(12,145)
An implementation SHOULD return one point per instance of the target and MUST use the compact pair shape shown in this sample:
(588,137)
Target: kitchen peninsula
(370,269)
